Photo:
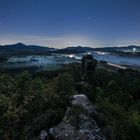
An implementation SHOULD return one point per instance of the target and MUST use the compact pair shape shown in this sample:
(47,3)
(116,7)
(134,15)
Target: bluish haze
(62,23)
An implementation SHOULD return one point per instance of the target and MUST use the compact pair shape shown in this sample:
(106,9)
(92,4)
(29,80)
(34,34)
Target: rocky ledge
(78,123)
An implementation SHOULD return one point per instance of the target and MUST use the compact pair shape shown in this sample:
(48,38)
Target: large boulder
(78,123)
(81,100)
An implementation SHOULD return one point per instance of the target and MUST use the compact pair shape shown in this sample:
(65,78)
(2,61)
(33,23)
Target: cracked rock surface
(78,122)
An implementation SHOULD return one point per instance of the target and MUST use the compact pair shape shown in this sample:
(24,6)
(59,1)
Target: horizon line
(26,44)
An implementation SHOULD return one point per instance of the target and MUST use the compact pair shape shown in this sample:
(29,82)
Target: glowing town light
(134,49)
(101,53)
(71,56)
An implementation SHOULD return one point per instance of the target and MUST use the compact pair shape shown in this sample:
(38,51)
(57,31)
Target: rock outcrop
(88,63)
(78,123)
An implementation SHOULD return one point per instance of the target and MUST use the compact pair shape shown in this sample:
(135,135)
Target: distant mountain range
(78,49)
(20,48)
(109,49)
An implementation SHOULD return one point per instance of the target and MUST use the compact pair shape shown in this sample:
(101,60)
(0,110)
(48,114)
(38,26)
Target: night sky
(63,23)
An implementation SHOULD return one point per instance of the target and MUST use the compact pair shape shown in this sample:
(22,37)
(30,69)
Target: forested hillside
(30,102)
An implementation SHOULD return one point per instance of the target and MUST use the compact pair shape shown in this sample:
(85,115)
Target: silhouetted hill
(117,49)
(78,49)
(21,49)
(130,47)
(25,49)
(106,49)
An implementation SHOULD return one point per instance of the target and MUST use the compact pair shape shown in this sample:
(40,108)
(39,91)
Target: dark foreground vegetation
(30,102)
